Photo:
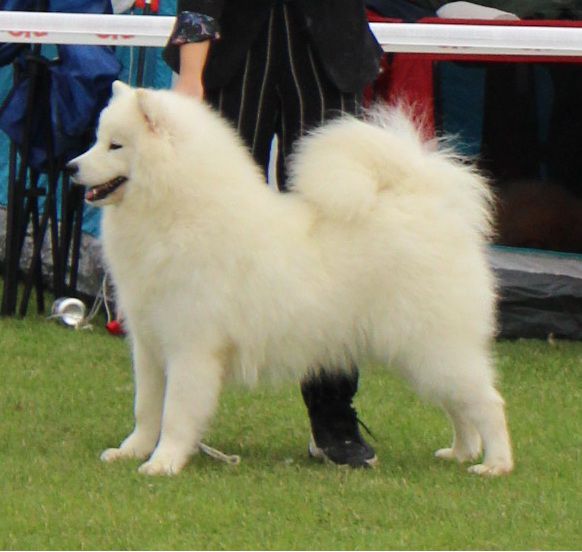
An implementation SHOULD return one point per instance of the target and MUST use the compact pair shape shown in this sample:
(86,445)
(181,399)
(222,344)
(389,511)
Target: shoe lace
(368,430)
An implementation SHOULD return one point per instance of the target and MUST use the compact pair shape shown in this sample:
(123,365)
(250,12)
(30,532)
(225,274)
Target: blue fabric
(9,50)
(82,82)
(79,87)
(61,6)
(76,93)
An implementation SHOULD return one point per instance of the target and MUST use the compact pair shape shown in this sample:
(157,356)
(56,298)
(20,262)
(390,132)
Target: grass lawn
(67,395)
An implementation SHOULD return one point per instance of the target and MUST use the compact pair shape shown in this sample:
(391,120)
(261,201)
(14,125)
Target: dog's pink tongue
(90,195)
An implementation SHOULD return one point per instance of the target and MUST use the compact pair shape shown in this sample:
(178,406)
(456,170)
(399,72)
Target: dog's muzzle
(98,193)
(94,193)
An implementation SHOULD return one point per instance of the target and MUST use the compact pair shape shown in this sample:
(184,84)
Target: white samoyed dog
(377,255)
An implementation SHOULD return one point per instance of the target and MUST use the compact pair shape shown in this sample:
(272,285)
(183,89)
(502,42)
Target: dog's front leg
(149,397)
(192,389)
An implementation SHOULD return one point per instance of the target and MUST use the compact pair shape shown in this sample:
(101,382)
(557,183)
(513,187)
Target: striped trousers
(281,90)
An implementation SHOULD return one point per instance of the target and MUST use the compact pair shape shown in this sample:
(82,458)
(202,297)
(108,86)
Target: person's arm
(192,60)
(188,45)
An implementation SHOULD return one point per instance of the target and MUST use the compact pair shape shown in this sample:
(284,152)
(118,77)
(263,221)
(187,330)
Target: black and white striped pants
(282,90)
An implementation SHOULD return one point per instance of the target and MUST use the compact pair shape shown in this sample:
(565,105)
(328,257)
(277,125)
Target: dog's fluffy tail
(343,168)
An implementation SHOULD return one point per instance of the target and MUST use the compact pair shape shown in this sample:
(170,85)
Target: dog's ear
(149,108)
(119,88)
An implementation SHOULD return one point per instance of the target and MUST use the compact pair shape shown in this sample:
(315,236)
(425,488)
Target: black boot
(335,433)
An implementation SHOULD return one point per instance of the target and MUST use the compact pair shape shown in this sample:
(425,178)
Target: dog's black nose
(71,168)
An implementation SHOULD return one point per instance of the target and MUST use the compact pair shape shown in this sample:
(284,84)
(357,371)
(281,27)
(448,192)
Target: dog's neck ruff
(98,193)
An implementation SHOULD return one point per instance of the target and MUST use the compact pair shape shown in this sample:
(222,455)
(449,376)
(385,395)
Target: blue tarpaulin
(79,86)
(81,78)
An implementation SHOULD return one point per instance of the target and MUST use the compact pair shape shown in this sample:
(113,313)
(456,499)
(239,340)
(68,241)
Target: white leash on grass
(232,459)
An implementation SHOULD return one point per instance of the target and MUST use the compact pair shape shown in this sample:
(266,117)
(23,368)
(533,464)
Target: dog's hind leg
(192,389)
(477,410)
(149,396)
(488,415)
(460,378)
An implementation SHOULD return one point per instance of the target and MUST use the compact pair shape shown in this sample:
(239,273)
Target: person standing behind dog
(280,68)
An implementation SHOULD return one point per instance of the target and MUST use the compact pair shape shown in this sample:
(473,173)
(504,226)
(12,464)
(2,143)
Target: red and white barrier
(132,30)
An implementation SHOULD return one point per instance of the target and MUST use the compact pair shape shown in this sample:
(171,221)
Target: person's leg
(335,432)
(309,99)
(249,100)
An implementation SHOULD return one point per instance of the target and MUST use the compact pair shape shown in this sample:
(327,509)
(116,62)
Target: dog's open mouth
(97,193)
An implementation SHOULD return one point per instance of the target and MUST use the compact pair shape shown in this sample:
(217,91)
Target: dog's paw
(446,454)
(501,468)
(161,466)
(458,455)
(127,450)
(114,454)
(164,462)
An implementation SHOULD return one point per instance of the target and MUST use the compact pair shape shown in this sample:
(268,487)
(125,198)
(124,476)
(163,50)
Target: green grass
(67,395)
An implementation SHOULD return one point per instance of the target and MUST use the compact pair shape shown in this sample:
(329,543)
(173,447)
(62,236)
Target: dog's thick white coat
(378,255)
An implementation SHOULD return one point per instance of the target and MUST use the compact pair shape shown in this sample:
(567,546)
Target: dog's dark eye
(114,146)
